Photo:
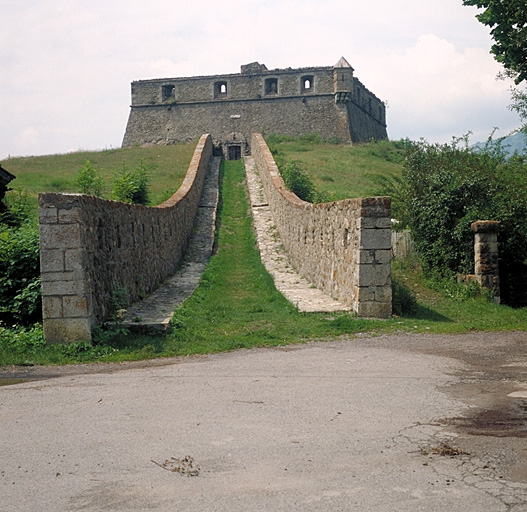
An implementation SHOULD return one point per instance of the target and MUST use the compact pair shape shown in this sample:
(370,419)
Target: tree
(508,22)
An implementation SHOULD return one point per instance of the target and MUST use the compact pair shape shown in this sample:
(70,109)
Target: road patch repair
(403,422)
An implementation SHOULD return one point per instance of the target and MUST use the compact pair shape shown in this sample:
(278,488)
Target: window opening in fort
(167,92)
(307,83)
(271,86)
(220,89)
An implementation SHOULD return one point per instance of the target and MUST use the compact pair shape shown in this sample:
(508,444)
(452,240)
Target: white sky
(66,65)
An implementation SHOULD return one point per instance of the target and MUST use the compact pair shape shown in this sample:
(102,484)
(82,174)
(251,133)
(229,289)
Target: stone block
(67,330)
(73,260)
(376,239)
(57,276)
(372,256)
(60,236)
(365,294)
(366,256)
(374,275)
(485,226)
(383,294)
(51,307)
(47,215)
(486,247)
(76,307)
(61,288)
(374,309)
(376,222)
(52,260)
(69,215)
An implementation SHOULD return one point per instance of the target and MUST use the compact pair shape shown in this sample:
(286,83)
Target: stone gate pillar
(486,256)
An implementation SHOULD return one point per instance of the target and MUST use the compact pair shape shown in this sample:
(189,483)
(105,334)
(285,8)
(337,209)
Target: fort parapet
(342,247)
(329,101)
(92,249)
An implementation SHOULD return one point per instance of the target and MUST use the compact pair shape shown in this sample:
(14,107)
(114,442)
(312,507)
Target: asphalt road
(392,423)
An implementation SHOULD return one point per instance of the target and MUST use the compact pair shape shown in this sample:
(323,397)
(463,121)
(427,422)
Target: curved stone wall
(342,247)
(93,249)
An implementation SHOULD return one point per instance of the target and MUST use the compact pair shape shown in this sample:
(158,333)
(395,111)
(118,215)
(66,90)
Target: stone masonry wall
(92,248)
(343,247)
(185,122)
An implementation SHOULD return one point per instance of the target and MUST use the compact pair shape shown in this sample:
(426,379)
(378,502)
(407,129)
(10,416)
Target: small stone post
(486,256)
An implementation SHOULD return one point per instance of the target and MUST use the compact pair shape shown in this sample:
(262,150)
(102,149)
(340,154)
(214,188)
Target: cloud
(28,137)
(435,91)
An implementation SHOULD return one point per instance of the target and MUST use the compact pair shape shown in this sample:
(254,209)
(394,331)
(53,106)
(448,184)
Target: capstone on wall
(343,247)
(92,249)
(329,101)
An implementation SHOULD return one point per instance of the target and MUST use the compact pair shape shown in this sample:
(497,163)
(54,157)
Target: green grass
(343,171)
(238,306)
(57,173)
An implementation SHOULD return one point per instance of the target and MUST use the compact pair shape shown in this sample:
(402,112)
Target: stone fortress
(329,101)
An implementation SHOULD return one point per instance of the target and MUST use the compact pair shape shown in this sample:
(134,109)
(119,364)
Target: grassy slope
(57,173)
(344,171)
(237,305)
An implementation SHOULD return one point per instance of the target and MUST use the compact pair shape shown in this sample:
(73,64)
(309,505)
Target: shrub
(20,297)
(446,188)
(89,180)
(131,185)
(298,181)
(22,339)
(17,209)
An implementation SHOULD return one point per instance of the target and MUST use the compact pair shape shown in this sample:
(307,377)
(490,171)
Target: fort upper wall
(240,86)
(92,249)
(343,247)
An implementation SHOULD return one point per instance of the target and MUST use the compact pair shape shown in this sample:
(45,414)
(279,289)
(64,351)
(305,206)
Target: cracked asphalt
(388,423)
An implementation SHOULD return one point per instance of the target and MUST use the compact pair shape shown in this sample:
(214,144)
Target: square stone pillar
(486,256)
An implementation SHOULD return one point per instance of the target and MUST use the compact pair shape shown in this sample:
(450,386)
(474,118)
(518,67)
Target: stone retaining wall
(92,249)
(343,247)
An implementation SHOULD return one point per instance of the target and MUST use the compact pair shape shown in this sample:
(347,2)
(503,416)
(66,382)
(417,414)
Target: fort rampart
(343,247)
(93,250)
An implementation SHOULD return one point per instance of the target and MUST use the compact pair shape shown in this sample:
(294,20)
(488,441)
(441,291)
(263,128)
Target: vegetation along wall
(343,247)
(93,250)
